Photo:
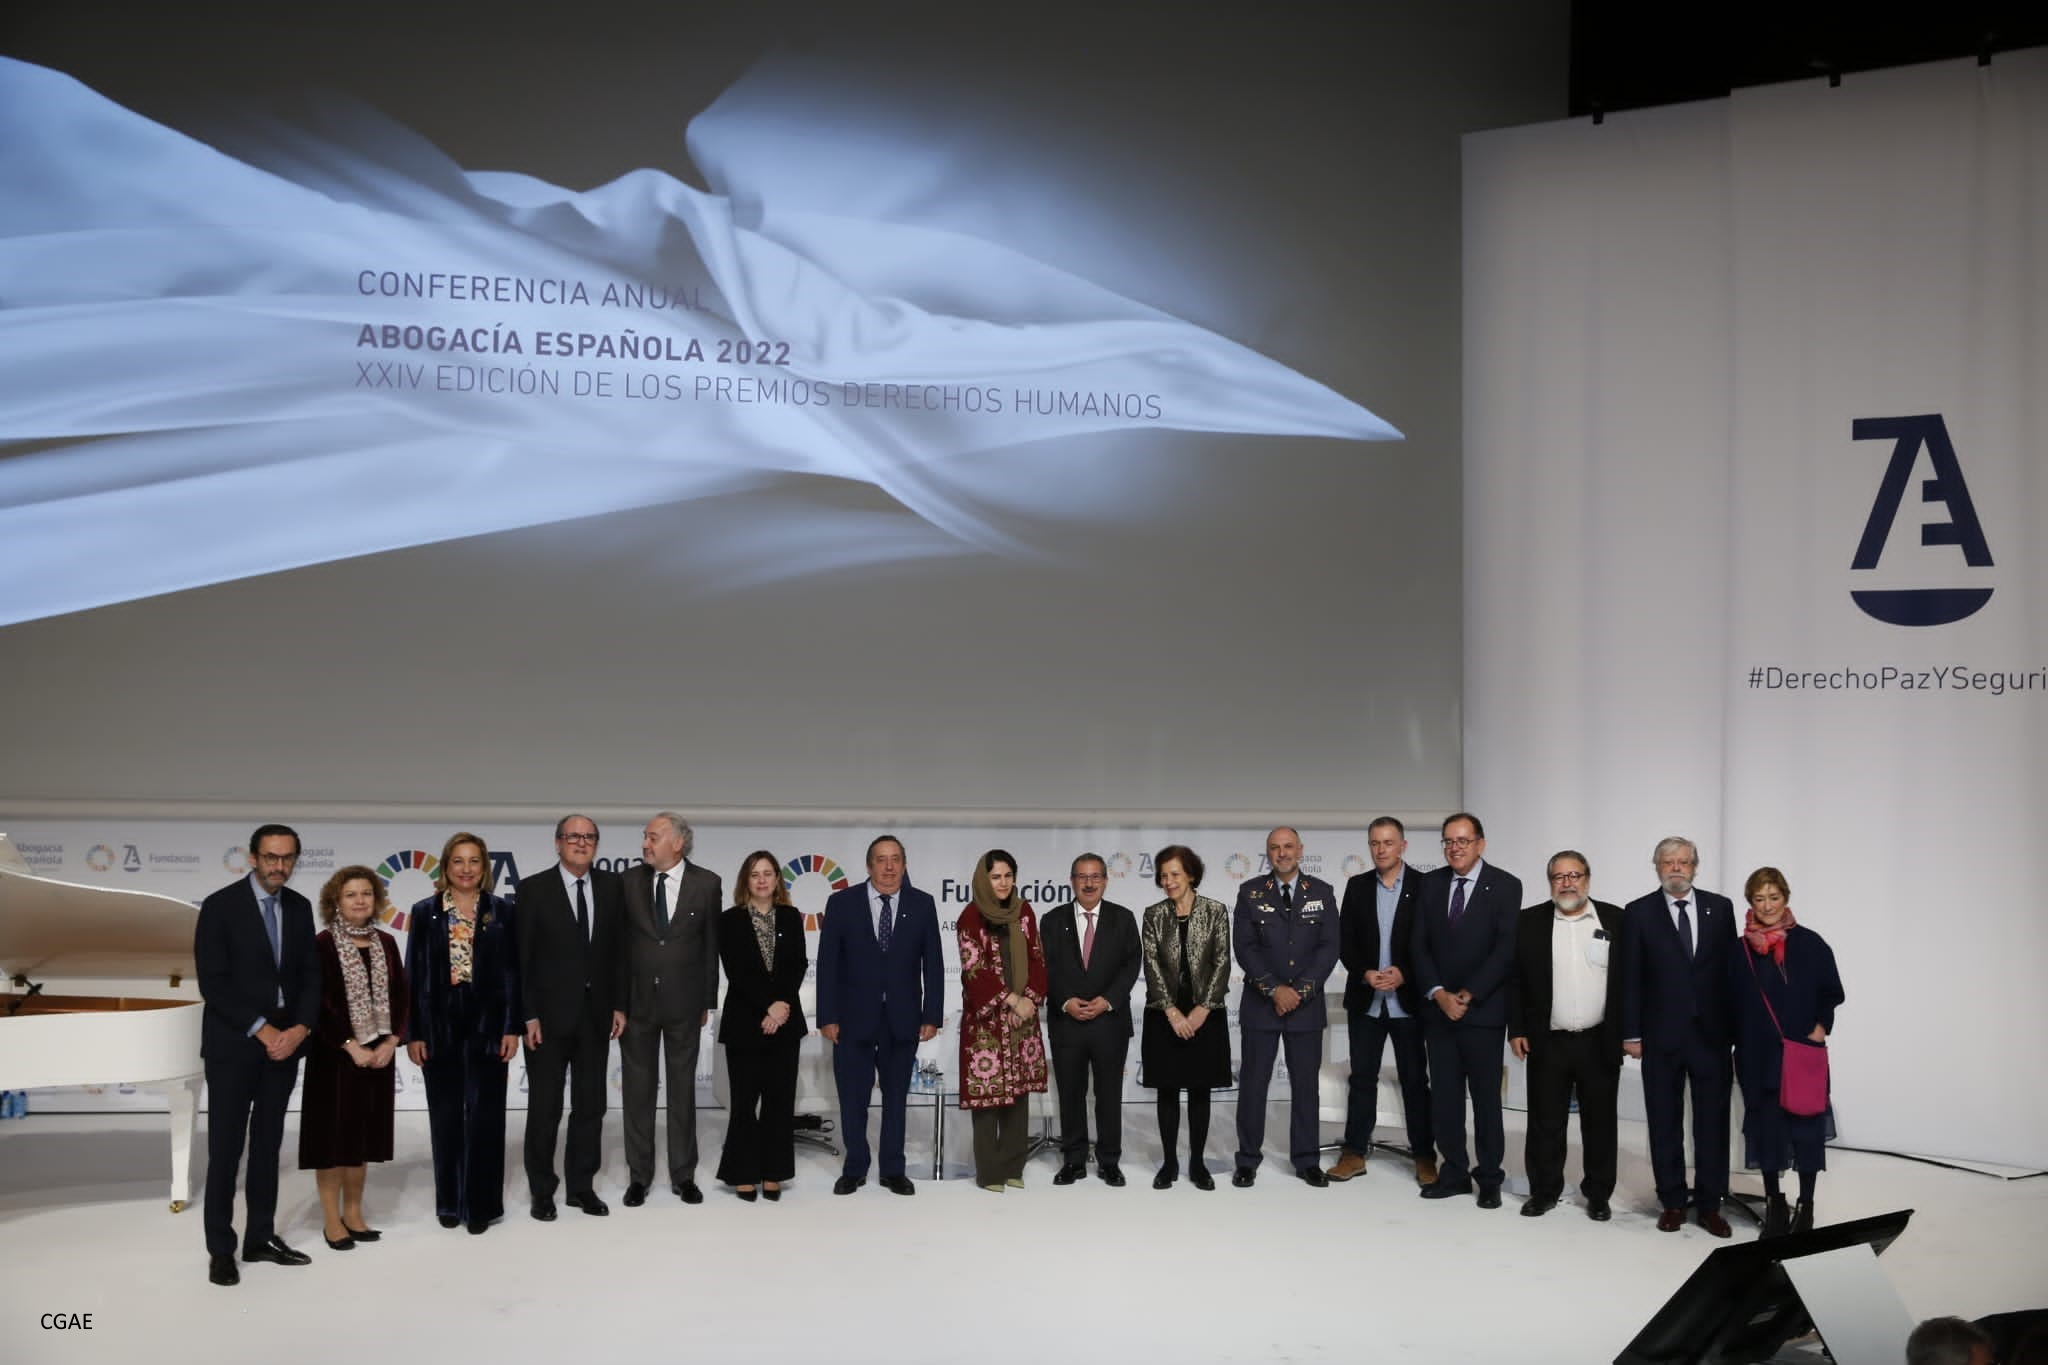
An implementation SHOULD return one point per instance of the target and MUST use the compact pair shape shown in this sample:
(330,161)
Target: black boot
(1802,1217)
(1777,1217)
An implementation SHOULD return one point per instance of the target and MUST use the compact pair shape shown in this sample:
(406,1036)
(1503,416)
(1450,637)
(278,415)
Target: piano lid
(51,929)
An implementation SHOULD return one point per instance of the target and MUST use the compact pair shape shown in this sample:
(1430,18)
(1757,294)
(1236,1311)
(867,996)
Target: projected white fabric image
(338,308)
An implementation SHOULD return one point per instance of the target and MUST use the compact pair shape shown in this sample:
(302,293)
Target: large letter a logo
(1920,606)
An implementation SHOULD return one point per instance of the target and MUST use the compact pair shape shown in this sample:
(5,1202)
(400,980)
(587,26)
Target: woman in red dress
(345,1115)
(1002,1054)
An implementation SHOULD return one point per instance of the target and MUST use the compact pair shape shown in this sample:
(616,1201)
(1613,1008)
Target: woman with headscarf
(345,1114)
(1783,984)
(1002,986)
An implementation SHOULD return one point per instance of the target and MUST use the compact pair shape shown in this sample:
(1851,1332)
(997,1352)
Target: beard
(1676,886)
(1570,902)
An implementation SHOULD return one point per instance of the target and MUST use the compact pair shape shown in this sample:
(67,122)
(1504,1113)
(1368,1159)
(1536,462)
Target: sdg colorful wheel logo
(813,864)
(408,875)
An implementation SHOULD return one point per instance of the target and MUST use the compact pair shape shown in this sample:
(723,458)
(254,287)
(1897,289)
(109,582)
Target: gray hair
(1676,841)
(682,830)
(1575,856)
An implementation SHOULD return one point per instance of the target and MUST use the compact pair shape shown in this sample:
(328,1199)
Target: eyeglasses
(579,838)
(281,859)
(1567,876)
(1459,843)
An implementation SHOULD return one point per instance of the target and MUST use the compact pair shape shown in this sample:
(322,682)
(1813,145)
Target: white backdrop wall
(1674,324)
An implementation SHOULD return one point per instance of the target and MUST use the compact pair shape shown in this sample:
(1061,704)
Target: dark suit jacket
(671,977)
(1663,996)
(872,996)
(1111,972)
(1476,955)
(565,980)
(1284,947)
(1359,939)
(493,974)
(1529,993)
(238,978)
(750,988)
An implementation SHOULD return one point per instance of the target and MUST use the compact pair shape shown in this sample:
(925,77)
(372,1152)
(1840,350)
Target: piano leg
(184,1099)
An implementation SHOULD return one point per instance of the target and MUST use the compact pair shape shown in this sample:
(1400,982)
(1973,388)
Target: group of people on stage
(1449,966)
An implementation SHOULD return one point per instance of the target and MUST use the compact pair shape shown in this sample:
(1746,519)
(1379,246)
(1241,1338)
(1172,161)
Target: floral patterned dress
(1001,1059)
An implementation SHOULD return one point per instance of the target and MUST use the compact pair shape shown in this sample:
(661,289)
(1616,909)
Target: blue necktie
(1458,901)
(270,928)
(888,926)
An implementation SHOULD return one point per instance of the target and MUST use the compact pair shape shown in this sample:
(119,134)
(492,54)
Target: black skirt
(1169,1062)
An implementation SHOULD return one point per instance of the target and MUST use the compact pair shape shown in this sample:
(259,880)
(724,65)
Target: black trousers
(1558,1064)
(581,1059)
(760,1134)
(1369,1036)
(1081,1056)
(1467,1059)
(1669,1072)
(246,1097)
(465,1084)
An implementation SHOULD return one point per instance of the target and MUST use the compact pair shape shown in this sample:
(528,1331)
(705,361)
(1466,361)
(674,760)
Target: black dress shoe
(346,1243)
(590,1203)
(1777,1218)
(898,1184)
(1167,1175)
(222,1270)
(1199,1177)
(544,1209)
(449,1220)
(1802,1217)
(636,1195)
(1243,1177)
(771,1193)
(364,1234)
(1444,1189)
(847,1184)
(1313,1175)
(687,1191)
(1536,1208)
(479,1226)
(1109,1175)
(1068,1174)
(1598,1210)
(750,1194)
(273,1250)
(1489,1196)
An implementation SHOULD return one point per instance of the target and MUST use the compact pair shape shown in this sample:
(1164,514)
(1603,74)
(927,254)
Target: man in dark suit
(1673,1017)
(1464,947)
(1564,1019)
(260,979)
(1092,957)
(570,925)
(1284,931)
(1381,1001)
(881,991)
(668,981)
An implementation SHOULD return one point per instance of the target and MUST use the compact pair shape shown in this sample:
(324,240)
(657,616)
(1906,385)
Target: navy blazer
(1663,996)
(1284,947)
(238,978)
(751,987)
(870,996)
(1474,955)
(493,974)
(1804,993)
(1359,939)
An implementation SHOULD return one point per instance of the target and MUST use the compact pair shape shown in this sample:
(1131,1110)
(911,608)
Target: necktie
(1088,939)
(888,926)
(582,912)
(661,904)
(1286,897)
(1458,900)
(1685,930)
(270,928)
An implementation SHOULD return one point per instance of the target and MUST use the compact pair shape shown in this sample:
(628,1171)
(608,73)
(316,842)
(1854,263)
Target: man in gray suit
(668,983)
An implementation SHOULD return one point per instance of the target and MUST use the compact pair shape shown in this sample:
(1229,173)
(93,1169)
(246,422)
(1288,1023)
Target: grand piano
(147,1035)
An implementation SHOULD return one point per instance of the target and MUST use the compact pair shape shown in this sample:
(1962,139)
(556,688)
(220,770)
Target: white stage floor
(1281,1272)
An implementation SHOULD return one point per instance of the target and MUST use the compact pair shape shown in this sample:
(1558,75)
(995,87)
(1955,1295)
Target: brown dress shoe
(1348,1165)
(1425,1171)
(1671,1220)
(1713,1222)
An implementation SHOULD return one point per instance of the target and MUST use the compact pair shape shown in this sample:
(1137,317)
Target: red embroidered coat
(1001,1059)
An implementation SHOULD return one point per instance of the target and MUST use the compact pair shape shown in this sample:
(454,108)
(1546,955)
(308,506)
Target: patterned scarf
(368,989)
(461,939)
(1769,941)
(1004,915)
